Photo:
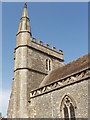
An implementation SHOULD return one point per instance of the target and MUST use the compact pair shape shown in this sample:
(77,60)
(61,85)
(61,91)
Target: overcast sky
(63,25)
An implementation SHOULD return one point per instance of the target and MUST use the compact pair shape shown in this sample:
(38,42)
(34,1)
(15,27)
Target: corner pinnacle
(24,21)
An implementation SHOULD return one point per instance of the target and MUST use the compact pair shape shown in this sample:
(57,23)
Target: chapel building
(43,86)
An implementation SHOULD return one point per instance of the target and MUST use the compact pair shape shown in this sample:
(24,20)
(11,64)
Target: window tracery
(68,107)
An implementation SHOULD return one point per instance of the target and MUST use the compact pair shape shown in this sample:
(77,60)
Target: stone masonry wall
(29,71)
(29,67)
(36,62)
(48,105)
(32,56)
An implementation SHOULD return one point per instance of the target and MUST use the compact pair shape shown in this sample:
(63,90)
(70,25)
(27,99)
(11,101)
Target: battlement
(40,43)
(46,45)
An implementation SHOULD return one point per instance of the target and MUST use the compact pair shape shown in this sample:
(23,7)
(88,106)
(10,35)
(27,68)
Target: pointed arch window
(66,114)
(67,108)
(72,112)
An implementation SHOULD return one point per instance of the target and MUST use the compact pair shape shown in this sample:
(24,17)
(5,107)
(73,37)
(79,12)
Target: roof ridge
(70,68)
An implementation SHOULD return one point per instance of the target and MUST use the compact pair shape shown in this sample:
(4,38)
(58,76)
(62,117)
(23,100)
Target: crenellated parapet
(71,79)
(40,42)
(34,39)
(47,46)
(54,48)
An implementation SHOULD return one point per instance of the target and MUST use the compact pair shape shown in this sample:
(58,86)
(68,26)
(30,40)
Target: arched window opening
(48,65)
(72,112)
(66,112)
(67,108)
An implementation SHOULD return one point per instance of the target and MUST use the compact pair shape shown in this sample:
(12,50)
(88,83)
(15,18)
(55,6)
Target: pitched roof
(68,69)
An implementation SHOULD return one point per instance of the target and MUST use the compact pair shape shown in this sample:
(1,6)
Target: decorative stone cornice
(74,78)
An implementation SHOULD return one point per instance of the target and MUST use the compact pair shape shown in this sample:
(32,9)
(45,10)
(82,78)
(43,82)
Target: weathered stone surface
(50,102)
(32,62)
(29,68)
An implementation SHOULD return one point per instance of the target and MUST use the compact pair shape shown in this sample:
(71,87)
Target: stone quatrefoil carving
(61,83)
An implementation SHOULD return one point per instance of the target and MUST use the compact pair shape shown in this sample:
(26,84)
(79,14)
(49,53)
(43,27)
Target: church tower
(32,62)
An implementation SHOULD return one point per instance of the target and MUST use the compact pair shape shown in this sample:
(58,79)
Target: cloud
(5,96)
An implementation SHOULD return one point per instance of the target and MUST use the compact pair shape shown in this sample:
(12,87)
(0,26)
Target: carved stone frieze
(61,83)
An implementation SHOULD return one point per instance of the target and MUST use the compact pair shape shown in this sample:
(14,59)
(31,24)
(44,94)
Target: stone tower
(32,62)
